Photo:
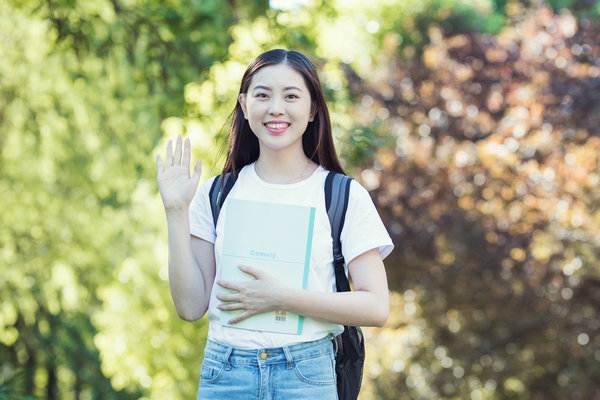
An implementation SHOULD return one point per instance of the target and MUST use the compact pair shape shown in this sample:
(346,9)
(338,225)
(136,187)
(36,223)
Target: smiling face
(278,107)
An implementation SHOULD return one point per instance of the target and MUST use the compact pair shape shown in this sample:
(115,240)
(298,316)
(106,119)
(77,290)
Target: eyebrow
(263,87)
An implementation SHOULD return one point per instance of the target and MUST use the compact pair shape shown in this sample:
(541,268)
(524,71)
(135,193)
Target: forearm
(189,289)
(367,305)
(356,308)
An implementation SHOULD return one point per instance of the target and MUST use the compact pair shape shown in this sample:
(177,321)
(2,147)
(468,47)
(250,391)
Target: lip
(283,126)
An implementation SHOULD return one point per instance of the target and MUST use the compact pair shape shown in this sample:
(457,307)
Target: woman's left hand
(261,295)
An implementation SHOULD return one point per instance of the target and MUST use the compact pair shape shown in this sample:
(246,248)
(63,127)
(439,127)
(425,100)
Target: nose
(276,106)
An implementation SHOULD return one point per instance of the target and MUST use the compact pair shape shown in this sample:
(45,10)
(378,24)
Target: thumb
(159,164)
(197,171)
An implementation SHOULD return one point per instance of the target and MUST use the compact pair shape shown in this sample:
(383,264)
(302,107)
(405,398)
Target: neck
(283,166)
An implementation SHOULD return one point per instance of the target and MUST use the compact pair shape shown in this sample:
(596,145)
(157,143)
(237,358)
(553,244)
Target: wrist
(286,299)
(177,216)
(177,211)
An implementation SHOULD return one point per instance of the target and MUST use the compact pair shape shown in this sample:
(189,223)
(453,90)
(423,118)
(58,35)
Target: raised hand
(176,186)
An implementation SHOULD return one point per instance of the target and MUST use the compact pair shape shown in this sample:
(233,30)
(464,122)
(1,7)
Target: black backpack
(350,355)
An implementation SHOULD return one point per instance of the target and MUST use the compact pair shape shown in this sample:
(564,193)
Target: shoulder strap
(219,190)
(337,193)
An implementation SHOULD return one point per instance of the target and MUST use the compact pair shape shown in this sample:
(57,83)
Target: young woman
(281,148)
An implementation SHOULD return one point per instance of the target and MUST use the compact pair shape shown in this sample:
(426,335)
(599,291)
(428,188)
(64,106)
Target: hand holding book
(257,296)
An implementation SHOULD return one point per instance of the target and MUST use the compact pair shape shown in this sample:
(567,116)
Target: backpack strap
(337,193)
(219,190)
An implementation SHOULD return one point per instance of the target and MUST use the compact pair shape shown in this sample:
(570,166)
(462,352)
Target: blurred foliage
(491,192)
(84,89)
(475,125)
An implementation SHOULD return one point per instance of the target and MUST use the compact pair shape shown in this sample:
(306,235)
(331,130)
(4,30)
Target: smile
(277,127)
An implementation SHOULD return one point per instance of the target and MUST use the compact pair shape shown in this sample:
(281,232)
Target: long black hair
(317,140)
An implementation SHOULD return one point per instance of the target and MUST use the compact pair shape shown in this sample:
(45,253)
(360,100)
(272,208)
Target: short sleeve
(363,229)
(201,221)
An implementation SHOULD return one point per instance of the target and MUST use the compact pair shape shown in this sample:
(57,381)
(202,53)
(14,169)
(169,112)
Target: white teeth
(277,126)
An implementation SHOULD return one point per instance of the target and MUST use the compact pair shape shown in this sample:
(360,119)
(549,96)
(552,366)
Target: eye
(260,95)
(292,96)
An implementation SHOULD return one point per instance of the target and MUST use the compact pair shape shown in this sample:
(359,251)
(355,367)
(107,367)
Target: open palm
(176,186)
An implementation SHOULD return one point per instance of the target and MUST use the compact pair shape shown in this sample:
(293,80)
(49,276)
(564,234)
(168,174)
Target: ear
(242,100)
(313,112)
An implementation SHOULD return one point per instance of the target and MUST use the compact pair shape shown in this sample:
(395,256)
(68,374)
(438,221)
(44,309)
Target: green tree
(85,87)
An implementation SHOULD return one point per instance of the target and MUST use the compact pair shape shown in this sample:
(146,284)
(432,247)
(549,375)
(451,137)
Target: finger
(169,153)
(177,155)
(159,165)
(250,271)
(240,317)
(231,307)
(197,172)
(228,298)
(186,154)
(229,285)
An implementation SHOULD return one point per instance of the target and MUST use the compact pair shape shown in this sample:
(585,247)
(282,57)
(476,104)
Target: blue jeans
(300,371)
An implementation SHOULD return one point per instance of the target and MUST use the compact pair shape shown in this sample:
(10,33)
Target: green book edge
(311,224)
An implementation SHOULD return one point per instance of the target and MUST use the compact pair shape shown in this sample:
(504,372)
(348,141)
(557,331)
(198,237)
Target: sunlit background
(474,124)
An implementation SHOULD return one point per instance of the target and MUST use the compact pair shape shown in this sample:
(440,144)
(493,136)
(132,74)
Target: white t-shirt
(363,231)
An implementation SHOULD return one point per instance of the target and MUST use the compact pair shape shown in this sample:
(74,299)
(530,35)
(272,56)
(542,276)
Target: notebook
(276,238)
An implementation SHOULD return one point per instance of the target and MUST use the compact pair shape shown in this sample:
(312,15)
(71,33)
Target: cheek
(256,110)
(255,119)
(304,107)
(303,113)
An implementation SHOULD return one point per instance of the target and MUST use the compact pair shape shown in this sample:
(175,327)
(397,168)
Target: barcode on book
(280,316)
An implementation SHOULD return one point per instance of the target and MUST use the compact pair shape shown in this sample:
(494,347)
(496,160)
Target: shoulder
(338,179)
(206,186)
(358,190)
(241,175)
(345,188)
(359,199)
(363,228)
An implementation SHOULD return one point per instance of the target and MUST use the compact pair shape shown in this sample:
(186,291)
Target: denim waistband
(287,354)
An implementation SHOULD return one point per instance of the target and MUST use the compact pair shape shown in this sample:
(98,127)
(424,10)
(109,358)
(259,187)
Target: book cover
(276,238)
